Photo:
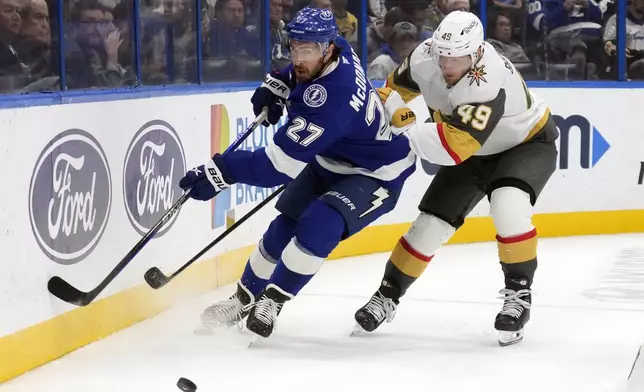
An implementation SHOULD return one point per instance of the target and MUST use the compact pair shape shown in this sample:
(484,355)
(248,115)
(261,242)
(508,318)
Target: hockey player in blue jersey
(343,167)
(548,16)
(571,33)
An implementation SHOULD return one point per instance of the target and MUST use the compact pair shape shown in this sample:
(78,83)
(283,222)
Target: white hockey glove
(401,117)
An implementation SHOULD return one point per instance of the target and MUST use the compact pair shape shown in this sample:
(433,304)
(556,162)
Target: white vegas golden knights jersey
(488,111)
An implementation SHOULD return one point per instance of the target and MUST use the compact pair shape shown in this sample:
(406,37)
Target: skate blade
(204,331)
(358,331)
(211,329)
(508,338)
(256,341)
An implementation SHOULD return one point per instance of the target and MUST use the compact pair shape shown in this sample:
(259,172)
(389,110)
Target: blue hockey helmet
(313,25)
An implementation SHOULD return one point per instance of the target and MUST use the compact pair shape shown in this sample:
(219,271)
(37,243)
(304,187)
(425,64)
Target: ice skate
(380,308)
(514,315)
(229,312)
(263,314)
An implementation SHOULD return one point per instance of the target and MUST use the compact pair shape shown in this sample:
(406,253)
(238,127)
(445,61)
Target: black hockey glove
(272,94)
(207,180)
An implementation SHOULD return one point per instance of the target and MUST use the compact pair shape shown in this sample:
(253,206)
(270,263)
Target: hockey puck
(186,385)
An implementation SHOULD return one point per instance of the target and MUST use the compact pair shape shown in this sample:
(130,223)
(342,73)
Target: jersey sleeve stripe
(446,146)
(461,143)
(283,162)
(385,173)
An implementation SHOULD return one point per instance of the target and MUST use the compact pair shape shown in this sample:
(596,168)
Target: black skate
(229,312)
(513,316)
(263,314)
(380,308)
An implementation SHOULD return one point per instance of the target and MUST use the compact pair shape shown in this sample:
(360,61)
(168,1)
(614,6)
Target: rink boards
(84,181)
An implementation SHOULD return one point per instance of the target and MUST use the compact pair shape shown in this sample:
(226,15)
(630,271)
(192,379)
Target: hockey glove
(401,117)
(272,94)
(206,181)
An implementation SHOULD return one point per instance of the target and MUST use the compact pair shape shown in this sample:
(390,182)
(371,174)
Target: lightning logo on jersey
(381,194)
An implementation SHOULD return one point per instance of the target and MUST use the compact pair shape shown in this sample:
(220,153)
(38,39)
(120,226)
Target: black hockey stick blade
(66,292)
(157,279)
(63,290)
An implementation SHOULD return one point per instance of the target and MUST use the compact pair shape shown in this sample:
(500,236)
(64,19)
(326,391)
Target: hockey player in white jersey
(492,137)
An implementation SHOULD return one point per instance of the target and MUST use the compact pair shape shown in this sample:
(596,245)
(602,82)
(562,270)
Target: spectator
(228,35)
(377,9)
(634,42)
(122,19)
(408,6)
(253,12)
(12,69)
(508,5)
(571,29)
(93,55)
(403,40)
(34,46)
(436,13)
(378,34)
(287,10)
(420,18)
(279,40)
(234,52)
(168,39)
(323,4)
(550,15)
(458,5)
(347,23)
(499,30)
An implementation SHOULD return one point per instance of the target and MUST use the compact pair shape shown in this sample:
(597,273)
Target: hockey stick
(68,293)
(156,279)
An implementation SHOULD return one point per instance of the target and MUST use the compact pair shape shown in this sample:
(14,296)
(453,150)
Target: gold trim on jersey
(406,93)
(437,115)
(459,144)
(538,126)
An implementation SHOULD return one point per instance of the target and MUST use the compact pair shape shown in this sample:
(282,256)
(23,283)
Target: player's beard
(303,75)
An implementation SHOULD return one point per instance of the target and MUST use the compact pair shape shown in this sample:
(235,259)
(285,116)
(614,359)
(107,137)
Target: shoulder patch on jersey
(315,95)
(477,75)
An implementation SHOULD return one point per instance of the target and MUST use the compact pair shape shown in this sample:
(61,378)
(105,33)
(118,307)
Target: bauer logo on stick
(70,196)
(154,163)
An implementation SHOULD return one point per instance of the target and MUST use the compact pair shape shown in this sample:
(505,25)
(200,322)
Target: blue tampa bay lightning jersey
(335,122)
(548,15)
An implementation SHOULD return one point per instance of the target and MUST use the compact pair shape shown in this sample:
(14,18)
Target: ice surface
(587,324)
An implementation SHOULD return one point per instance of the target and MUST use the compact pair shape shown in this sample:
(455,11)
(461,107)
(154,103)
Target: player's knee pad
(428,233)
(263,260)
(278,235)
(511,211)
(319,229)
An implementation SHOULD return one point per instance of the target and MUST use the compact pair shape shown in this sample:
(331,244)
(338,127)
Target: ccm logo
(216,176)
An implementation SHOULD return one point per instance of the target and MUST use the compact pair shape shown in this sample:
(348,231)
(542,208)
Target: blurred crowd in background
(209,41)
